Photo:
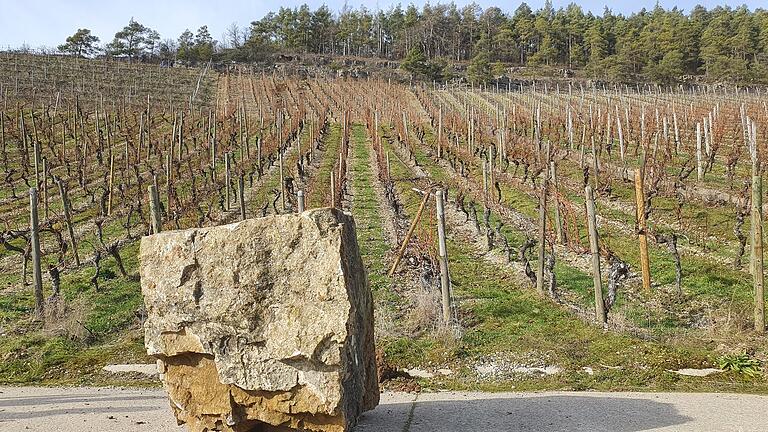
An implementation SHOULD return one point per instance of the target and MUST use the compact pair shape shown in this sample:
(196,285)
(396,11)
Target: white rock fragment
(418,373)
(696,372)
(144,369)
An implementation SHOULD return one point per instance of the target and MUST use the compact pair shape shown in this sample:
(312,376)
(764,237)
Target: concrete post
(241,195)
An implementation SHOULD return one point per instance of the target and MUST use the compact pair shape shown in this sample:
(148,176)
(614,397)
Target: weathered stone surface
(265,324)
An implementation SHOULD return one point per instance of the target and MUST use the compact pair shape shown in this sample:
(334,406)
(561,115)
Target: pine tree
(203,44)
(415,63)
(186,47)
(598,49)
(507,49)
(763,23)
(669,68)
(522,22)
(745,41)
(498,69)
(576,56)
(131,41)
(575,28)
(625,64)
(546,51)
(82,43)
(745,44)
(479,70)
(714,46)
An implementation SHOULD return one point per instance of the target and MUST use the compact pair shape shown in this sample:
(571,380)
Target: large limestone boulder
(262,325)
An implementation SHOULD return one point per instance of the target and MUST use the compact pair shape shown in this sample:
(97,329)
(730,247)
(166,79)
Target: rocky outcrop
(265,324)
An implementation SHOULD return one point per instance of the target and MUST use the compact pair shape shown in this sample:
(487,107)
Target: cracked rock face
(262,325)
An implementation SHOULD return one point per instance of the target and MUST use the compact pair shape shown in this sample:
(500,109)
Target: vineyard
(609,233)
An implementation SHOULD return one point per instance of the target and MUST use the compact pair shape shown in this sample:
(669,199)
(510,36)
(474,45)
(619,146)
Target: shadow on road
(539,414)
(11,416)
(71,399)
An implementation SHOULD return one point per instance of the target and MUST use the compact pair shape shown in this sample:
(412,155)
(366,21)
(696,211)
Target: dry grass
(66,318)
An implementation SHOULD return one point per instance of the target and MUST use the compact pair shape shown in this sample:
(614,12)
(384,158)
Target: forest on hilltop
(659,45)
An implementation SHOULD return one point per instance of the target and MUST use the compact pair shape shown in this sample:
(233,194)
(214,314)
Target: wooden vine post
(168,182)
(389,168)
(45,187)
(642,236)
(699,157)
(542,228)
(227,179)
(485,182)
(439,133)
(559,233)
(213,144)
(445,280)
(491,158)
(282,181)
(34,230)
(154,209)
(594,248)
(408,235)
(258,155)
(333,188)
(757,235)
(111,183)
(36,154)
(181,134)
(68,219)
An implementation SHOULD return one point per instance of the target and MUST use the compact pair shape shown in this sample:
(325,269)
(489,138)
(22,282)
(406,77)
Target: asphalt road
(121,410)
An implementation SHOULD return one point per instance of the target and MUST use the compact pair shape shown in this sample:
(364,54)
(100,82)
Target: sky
(38,23)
